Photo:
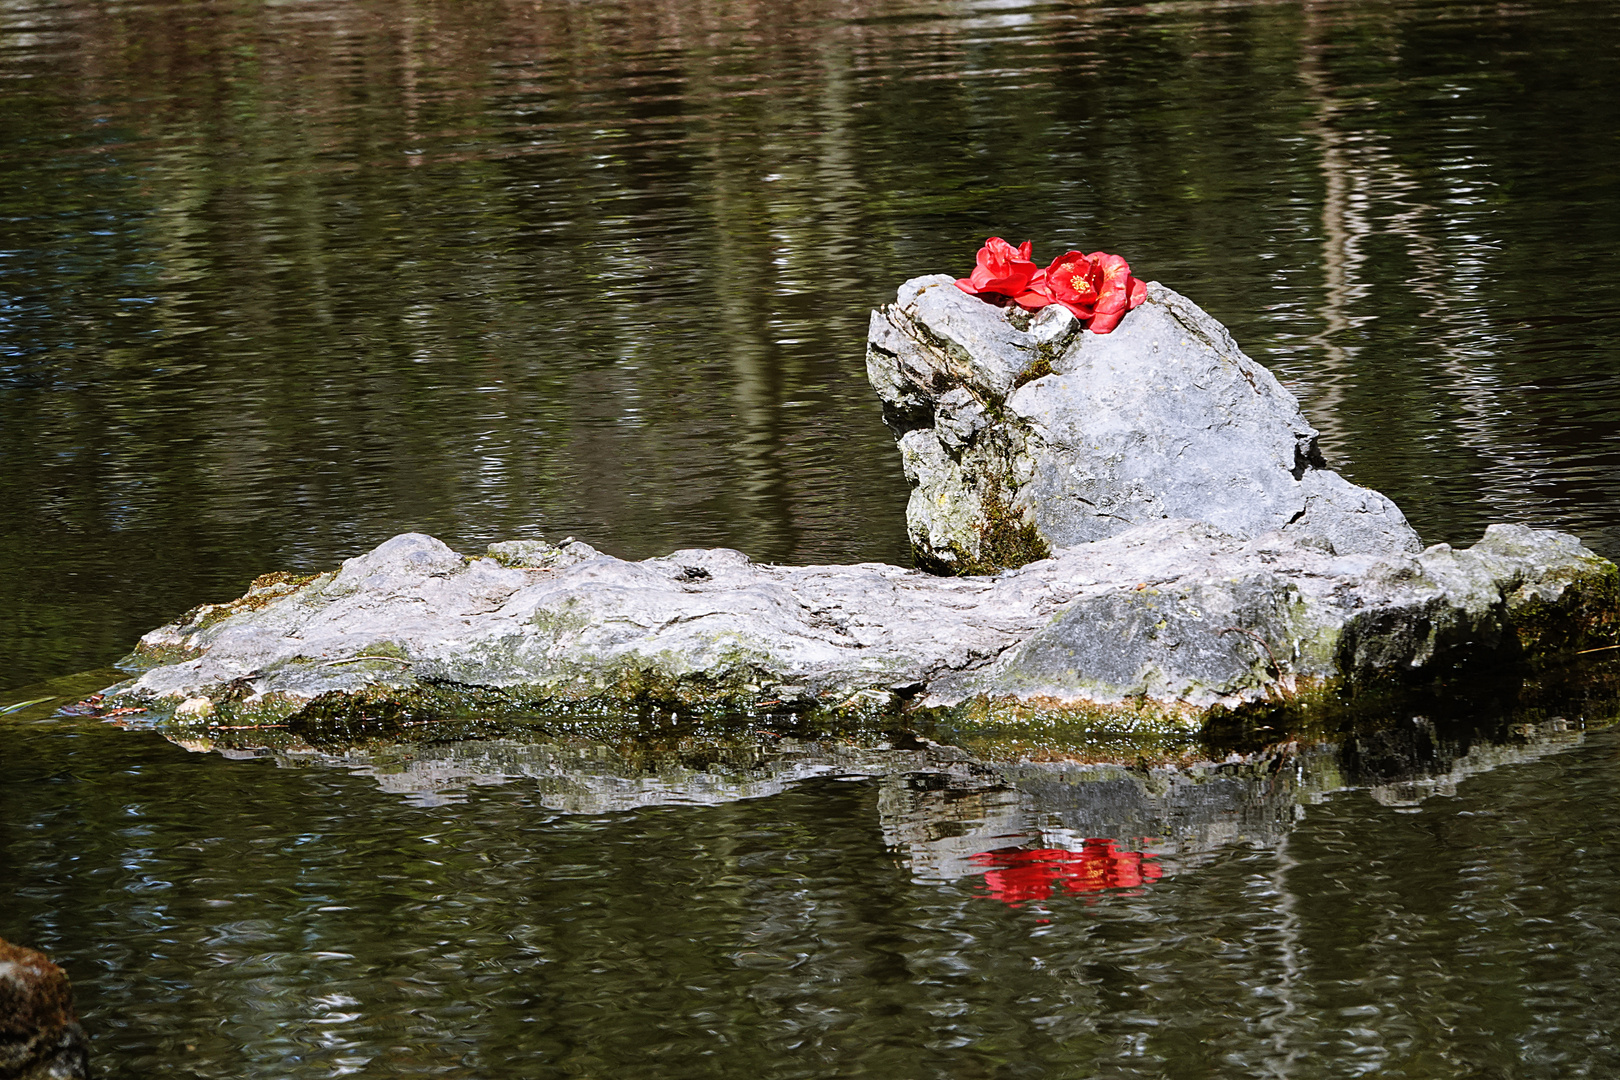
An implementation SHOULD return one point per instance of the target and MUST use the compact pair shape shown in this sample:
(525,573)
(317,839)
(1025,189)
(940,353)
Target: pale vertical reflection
(409,64)
(1367,193)
(1339,253)
(838,186)
(737,161)
(746,347)
(1284,1029)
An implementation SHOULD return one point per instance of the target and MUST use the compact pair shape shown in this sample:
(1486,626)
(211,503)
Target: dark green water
(278,281)
(556,907)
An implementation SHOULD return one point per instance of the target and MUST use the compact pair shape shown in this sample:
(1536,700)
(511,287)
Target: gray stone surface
(1176,541)
(1163,418)
(1174,612)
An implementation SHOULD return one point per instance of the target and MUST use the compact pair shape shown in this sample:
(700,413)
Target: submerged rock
(1020,434)
(40,1036)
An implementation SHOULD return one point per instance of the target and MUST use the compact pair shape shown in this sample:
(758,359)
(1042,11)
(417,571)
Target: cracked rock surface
(1175,612)
(1005,420)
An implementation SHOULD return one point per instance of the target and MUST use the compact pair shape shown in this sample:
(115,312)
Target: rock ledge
(1174,617)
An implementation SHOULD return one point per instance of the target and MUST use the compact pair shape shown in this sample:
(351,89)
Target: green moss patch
(1038,368)
(1007,539)
(1586,616)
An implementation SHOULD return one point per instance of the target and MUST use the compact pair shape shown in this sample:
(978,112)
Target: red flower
(1117,292)
(1097,288)
(1068,281)
(1019,876)
(1003,272)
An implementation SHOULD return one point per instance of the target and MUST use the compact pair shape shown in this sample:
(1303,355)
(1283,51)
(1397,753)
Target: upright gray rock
(1020,434)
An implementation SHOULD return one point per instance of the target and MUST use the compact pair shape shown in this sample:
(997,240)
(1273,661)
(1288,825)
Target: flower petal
(1002,269)
(1137,292)
(1105,321)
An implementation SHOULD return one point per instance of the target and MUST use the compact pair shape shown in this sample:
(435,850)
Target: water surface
(1422,902)
(278,281)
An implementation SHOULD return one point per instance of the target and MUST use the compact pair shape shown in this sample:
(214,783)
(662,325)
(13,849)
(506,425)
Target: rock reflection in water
(602,775)
(947,832)
(1031,830)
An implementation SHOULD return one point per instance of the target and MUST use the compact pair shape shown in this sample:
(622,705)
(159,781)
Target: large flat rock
(1136,522)
(1175,614)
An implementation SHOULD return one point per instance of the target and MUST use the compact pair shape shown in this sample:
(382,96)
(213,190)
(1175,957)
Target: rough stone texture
(40,1036)
(1007,422)
(1174,612)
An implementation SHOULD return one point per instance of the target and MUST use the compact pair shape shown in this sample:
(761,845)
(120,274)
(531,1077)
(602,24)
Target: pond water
(280,280)
(1427,900)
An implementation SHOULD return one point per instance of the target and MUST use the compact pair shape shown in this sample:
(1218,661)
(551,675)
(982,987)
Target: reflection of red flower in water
(1019,876)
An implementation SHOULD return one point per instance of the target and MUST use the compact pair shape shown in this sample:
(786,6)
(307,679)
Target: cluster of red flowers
(1018,876)
(1098,288)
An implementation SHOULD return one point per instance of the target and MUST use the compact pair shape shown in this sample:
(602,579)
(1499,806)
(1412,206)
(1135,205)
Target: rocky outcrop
(40,1036)
(1174,616)
(1023,434)
(1167,536)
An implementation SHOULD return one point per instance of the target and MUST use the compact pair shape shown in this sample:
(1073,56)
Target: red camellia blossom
(1003,271)
(1117,293)
(1098,289)
(1069,282)
(1018,876)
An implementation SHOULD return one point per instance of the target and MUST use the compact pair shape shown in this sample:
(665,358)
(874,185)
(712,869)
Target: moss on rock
(1583,614)
(1008,538)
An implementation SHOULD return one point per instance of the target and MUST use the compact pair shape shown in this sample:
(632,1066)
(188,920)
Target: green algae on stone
(177,642)
(1038,368)
(1007,538)
(1587,618)
(1006,729)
